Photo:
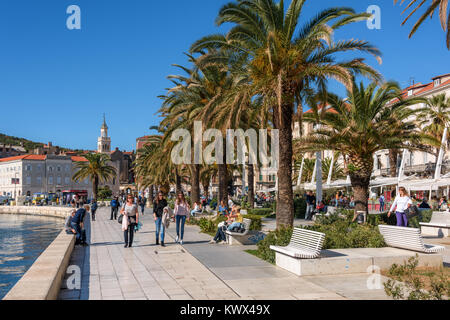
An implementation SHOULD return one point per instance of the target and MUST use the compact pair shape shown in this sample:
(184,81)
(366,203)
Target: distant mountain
(14,141)
(27,144)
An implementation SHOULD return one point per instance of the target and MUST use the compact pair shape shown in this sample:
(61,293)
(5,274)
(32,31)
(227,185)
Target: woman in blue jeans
(182,212)
(158,211)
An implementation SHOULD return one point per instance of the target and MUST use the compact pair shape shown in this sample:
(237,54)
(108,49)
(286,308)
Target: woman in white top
(401,204)
(131,219)
(181,212)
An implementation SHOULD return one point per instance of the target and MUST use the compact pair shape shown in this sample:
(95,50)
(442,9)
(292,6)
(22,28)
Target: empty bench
(407,238)
(239,237)
(305,245)
(439,226)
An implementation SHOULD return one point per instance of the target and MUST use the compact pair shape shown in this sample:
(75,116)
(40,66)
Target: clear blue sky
(55,84)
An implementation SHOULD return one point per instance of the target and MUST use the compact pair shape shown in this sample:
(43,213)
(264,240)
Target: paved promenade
(197,270)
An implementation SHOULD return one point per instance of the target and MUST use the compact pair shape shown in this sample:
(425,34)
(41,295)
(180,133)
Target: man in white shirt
(401,204)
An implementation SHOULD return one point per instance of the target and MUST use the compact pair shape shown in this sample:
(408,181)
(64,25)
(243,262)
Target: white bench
(238,235)
(304,248)
(439,226)
(407,238)
(305,244)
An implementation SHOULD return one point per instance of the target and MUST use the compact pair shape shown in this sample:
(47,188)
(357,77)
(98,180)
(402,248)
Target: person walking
(381,200)
(130,220)
(401,203)
(158,211)
(114,208)
(142,202)
(94,209)
(310,205)
(181,212)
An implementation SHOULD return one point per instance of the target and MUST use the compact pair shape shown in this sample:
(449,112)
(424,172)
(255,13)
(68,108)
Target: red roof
(25,157)
(38,158)
(79,159)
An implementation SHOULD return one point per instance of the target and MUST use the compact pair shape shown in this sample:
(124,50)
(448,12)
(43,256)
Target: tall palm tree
(283,64)
(96,168)
(369,121)
(433,5)
(434,118)
(153,166)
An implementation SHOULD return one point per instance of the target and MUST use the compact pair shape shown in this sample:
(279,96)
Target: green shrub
(407,282)
(300,208)
(260,211)
(340,233)
(104,193)
(343,234)
(279,237)
(208,226)
(424,216)
(256,224)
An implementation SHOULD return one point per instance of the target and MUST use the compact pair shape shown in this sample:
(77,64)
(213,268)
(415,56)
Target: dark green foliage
(341,233)
(256,224)
(104,193)
(299,208)
(280,237)
(424,216)
(27,144)
(260,211)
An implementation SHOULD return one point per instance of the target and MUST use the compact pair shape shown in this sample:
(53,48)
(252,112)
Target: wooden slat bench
(407,238)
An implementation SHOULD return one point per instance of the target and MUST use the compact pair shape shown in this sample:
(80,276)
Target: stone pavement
(197,270)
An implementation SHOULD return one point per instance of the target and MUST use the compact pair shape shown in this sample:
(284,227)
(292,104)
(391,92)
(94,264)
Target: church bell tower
(104,142)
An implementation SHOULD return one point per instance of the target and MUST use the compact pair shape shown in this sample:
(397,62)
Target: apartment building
(28,174)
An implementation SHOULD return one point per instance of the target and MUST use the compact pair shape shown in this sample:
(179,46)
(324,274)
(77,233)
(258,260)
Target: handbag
(120,219)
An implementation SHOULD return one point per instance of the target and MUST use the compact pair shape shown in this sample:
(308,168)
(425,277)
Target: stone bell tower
(104,142)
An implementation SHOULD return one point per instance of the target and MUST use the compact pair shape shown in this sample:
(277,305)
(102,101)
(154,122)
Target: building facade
(29,174)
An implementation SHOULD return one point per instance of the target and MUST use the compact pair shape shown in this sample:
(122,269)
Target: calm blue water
(22,240)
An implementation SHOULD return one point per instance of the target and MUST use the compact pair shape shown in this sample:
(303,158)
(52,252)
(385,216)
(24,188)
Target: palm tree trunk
(195,183)
(205,189)
(223,182)
(251,185)
(360,185)
(95,188)
(285,199)
(178,181)
(393,157)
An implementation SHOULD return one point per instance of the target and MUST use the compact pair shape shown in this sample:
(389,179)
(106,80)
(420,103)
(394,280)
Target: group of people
(162,215)
(233,223)
(75,224)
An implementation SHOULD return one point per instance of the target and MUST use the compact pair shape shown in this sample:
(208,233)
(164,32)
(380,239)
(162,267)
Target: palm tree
(444,17)
(369,121)
(96,168)
(337,171)
(434,118)
(153,166)
(283,64)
